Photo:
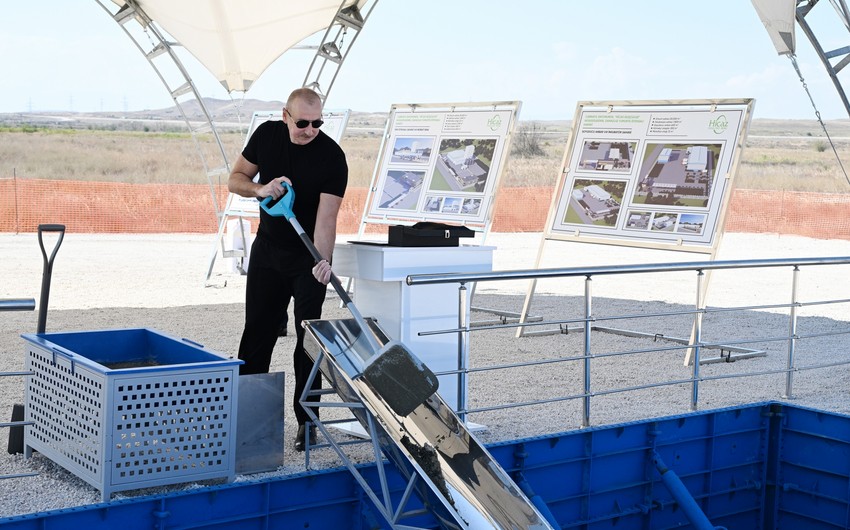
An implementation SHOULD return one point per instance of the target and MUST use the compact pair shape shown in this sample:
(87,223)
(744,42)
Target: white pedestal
(240,238)
(403,311)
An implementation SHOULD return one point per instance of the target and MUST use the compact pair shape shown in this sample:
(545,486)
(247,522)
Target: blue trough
(762,466)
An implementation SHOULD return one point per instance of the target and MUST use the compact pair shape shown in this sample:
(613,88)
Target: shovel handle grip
(48,270)
(282,206)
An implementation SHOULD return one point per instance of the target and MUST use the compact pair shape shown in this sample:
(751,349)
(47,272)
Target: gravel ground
(157,282)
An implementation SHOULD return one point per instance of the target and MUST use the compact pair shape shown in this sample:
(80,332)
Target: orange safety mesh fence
(800,213)
(107,207)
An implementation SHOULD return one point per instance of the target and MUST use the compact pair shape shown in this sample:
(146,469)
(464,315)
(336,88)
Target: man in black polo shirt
(296,151)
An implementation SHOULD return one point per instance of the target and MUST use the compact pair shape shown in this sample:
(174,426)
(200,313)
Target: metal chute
(446,467)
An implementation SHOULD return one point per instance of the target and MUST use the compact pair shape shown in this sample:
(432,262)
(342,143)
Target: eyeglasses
(302,124)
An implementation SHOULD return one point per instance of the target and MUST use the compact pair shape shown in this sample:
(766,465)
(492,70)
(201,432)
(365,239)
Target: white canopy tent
(237,40)
(778,19)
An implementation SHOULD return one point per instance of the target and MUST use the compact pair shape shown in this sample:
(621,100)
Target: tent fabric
(778,19)
(236,40)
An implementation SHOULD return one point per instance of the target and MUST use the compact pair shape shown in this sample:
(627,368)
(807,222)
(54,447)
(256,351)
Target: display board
(653,174)
(650,174)
(334,126)
(441,163)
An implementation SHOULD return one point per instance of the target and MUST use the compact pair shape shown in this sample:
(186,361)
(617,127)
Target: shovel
(16,432)
(396,374)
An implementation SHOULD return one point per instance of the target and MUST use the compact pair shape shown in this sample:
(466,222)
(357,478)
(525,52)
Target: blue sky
(548,54)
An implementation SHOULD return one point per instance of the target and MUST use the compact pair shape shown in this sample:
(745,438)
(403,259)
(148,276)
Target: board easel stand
(678,133)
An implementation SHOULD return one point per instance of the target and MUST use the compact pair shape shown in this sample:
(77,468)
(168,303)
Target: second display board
(441,163)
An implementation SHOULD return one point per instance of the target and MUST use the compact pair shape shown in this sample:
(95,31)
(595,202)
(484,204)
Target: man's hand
(273,189)
(322,272)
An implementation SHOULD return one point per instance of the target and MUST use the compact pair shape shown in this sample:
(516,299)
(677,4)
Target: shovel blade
(400,378)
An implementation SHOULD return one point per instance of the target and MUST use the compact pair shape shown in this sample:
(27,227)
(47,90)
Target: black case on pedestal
(427,234)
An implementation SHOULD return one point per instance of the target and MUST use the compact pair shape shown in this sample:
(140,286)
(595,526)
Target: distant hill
(221,110)
(227,113)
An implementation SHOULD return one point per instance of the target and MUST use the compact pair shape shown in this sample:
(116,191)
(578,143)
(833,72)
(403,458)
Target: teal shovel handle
(281,207)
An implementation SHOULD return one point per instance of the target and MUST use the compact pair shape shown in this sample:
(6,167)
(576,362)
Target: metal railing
(16,425)
(590,324)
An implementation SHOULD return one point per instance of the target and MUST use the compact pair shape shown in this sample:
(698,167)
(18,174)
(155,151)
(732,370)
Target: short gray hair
(304,94)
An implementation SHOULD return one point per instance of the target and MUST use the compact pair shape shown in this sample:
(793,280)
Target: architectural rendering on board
(412,150)
(401,189)
(607,156)
(463,165)
(595,202)
(676,174)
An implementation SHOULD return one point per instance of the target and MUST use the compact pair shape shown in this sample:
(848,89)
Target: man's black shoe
(299,437)
(281,331)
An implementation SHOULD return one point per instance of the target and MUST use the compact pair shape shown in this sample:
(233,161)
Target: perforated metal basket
(131,408)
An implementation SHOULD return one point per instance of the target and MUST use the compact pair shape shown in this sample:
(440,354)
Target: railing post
(697,340)
(588,313)
(792,336)
(462,349)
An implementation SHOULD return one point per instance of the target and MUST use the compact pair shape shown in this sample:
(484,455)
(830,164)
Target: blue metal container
(765,466)
(131,408)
